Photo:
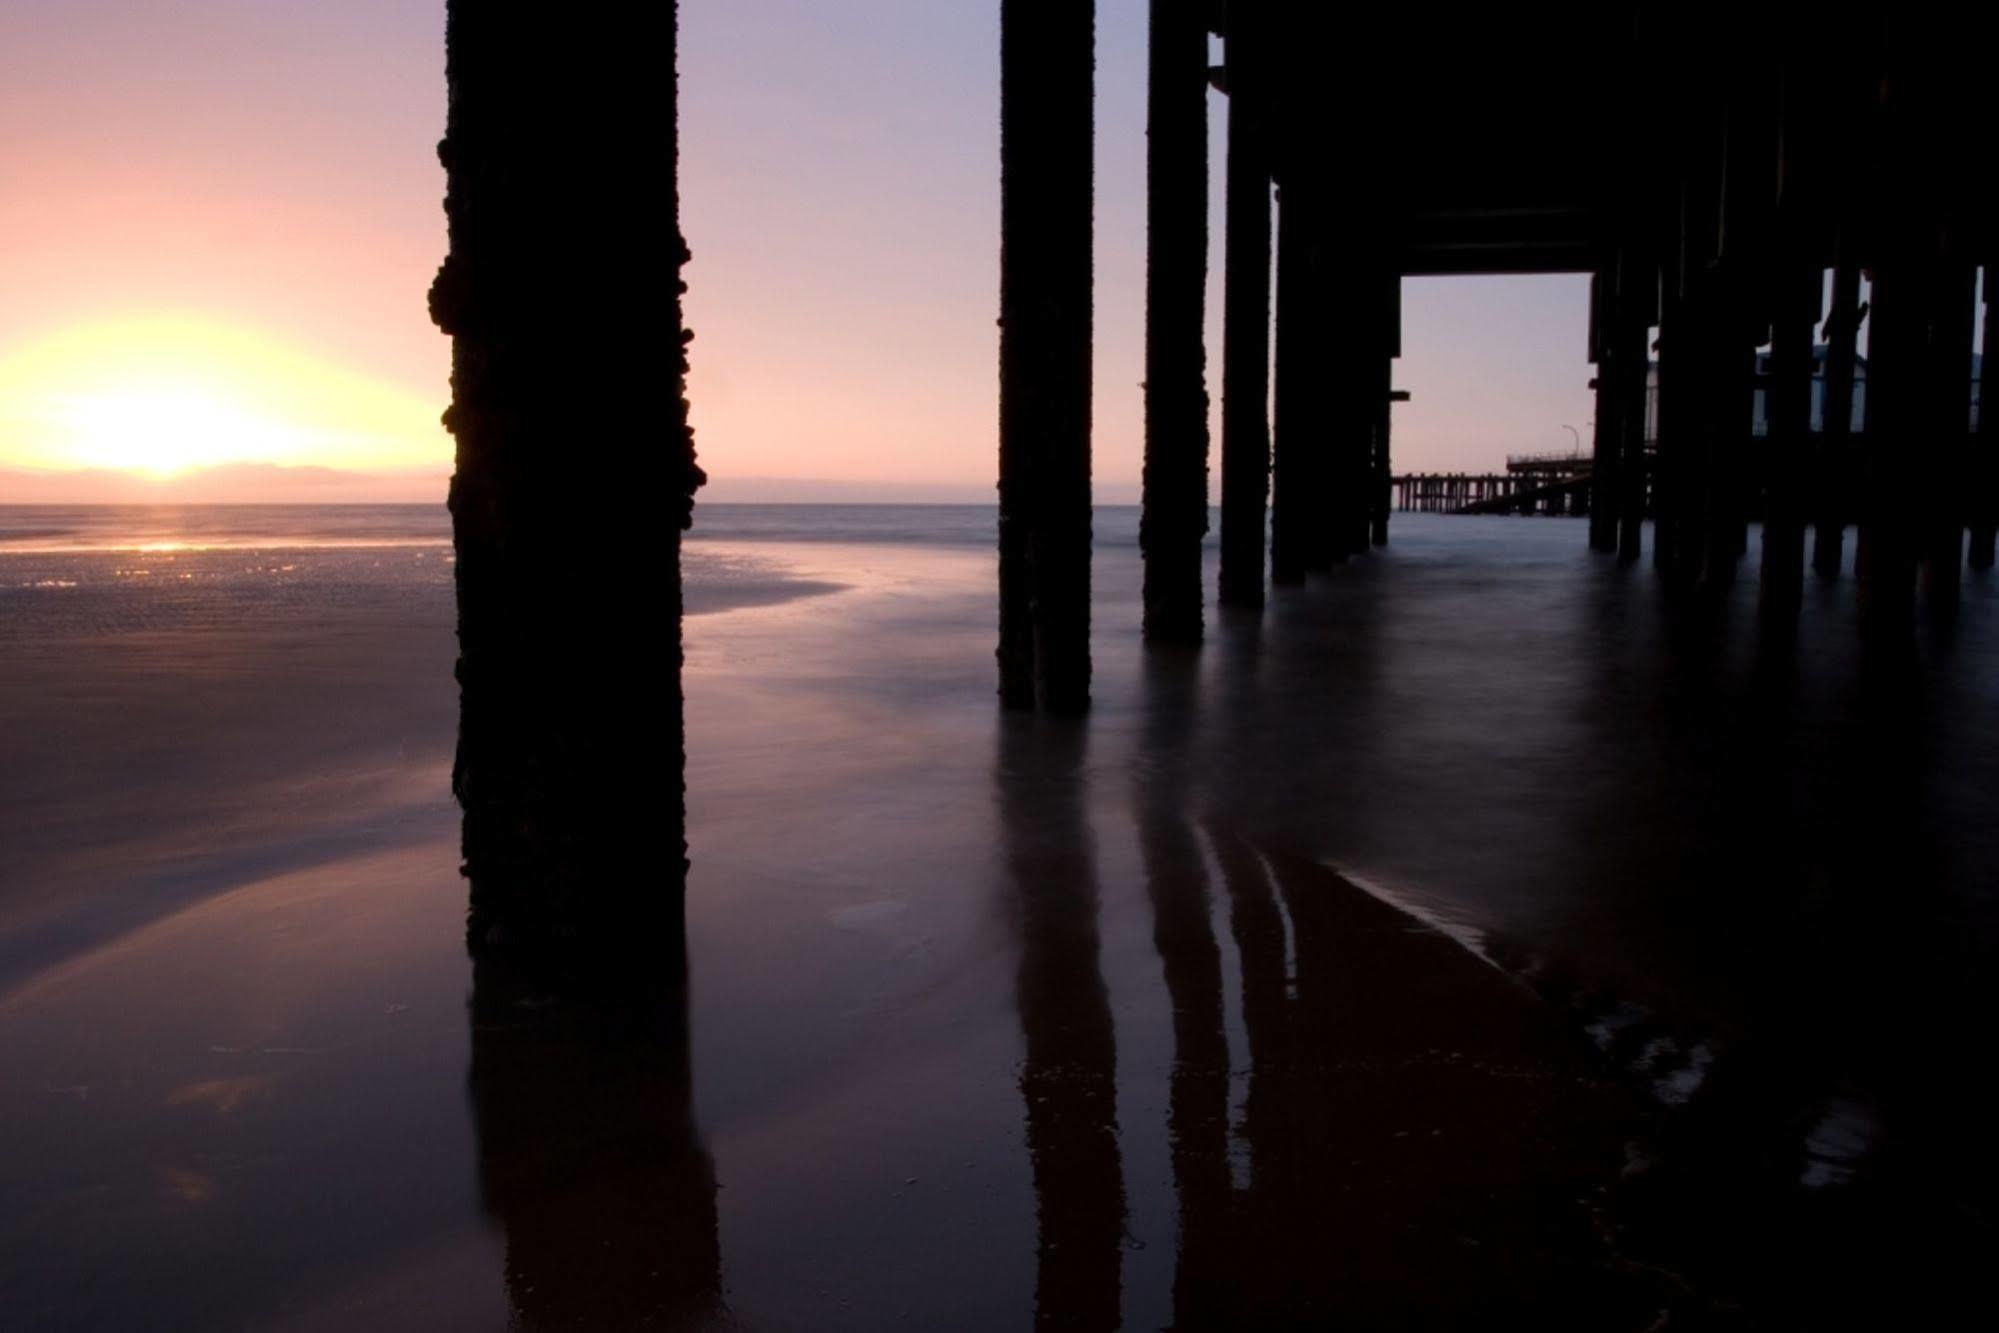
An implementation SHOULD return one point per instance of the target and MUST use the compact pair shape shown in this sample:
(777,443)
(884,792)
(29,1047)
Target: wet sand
(994,1022)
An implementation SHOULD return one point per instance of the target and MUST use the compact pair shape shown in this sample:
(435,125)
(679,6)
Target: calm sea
(125,564)
(65,530)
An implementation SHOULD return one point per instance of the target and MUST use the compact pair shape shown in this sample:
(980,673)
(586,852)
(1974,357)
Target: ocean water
(49,530)
(1744,869)
(107,557)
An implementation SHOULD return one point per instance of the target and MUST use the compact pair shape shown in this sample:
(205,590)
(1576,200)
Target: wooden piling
(1297,438)
(1983,465)
(1667,499)
(1797,289)
(1047,136)
(1380,463)
(1919,364)
(1606,456)
(1707,345)
(1245,322)
(1835,465)
(1358,368)
(561,294)
(1751,150)
(1174,518)
(1947,425)
(1630,354)
(1887,564)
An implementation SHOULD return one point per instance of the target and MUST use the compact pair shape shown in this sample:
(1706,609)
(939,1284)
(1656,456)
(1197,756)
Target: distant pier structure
(1550,484)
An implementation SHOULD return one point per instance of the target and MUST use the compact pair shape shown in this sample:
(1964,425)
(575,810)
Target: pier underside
(1413,949)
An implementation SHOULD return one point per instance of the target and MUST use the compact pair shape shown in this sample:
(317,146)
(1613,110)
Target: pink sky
(268,170)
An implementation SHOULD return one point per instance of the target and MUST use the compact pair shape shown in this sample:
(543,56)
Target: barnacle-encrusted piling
(575,472)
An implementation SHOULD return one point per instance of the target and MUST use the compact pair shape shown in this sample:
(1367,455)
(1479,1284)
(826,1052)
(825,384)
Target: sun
(165,428)
(160,396)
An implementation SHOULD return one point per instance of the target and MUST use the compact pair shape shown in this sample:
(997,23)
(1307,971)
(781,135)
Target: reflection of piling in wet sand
(1176,881)
(1426,1138)
(590,1160)
(1068,1078)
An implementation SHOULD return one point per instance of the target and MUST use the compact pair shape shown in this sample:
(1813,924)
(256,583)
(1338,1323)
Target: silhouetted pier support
(1298,449)
(1245,321)
(1047,134)
(1887,563)
(1708,344)
(1920,352)
(1175,514)
(1984,460)
(1381,474)
(1355,370)
(1623,293)
(1944,476)
(1605,453)
(575,474)
(1701,359)
(1835,462)
(1794,292)
(1627,352)
(1667,408)
(1788,409)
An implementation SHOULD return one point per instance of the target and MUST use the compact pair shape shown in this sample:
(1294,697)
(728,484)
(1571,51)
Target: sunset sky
(218,219)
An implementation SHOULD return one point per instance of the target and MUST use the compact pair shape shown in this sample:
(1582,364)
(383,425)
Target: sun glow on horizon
(167,428)
(161,396)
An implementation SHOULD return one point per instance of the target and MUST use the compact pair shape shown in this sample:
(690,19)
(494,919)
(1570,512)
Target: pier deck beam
(1047,76)
(1174,518)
